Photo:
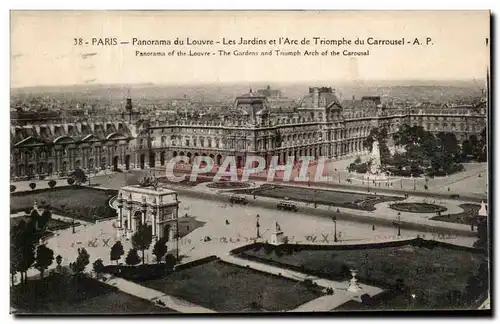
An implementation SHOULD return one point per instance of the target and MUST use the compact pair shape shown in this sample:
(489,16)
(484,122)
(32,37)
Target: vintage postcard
(237,162)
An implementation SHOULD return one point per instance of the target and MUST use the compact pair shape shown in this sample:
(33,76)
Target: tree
(58,261)
(449,144)
(15,258)
(22,248)
(478,284)
(70,181)
(52,184)
(79,176)
(170,261)
(467,149)
(32,185)
(13,269)
(82,261)
(132,257)
(116,251)
(12,188)
(366,299)
(44,218)
(142,238)
(160,249)
(482,234)
(33,218)
(482,148)
(44,258)
(98,266)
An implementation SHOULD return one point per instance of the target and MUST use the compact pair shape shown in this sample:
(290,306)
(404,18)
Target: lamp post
(120,207)
(257,225)
(334,218)
(399,224)
(177,228)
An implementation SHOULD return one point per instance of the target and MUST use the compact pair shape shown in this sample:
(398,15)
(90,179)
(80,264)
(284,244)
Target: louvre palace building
(319,125)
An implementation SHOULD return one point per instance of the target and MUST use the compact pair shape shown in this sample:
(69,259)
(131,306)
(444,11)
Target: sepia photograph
(240,162)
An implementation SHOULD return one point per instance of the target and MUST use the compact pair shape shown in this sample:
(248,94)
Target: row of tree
(139,244)
(25,253)
(77,177)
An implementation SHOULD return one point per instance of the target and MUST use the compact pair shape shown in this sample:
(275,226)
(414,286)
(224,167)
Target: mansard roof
(251,104)
(68,133)
(325,99)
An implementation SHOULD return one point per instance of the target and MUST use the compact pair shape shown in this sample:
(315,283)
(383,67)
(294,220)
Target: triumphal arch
(148,204)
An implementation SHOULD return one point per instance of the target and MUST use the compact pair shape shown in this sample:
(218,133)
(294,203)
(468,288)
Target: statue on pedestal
(353,284)
(483,211)
(278,228)
(375,172)
(277,237)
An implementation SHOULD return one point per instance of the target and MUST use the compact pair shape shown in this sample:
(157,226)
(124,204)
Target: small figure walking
(373,227)
(227,222)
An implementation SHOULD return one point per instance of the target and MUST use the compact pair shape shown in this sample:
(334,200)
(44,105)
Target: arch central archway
(166,232)
(115,163)
(137,219)
(142,159)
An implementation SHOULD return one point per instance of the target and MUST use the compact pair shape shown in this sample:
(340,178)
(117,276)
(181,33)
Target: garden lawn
(466,217)
(81,202)
(428,273)
(225,287)
(324,197)
(58,294)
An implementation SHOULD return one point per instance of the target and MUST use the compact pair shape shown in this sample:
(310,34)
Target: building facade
(319,126)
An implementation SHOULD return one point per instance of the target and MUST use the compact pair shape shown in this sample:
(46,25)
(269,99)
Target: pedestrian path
(152,295)
(323,304)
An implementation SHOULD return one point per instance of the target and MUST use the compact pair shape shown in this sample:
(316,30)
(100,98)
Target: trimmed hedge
(195,263)
(141,272)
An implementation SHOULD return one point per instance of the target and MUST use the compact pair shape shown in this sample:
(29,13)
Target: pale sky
(42,50)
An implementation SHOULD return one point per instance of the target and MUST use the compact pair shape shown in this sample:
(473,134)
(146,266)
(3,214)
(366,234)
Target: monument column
(129,218)
(144,209)
(153,221)
(120,214)
(173,230)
